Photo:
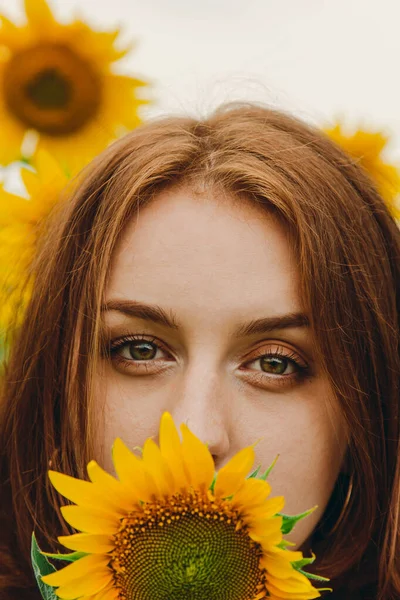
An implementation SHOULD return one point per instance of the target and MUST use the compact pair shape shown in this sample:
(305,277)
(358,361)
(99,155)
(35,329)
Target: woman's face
(204,320)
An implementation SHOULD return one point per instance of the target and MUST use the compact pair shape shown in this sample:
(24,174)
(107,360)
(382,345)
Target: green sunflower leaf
(254,473)
(299,564)
(288,522)
(283,544)
(268,471)
(41,567)
(212,486)
(72,557)
(315,578)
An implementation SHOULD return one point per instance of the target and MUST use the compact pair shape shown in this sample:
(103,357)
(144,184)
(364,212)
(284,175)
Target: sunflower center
(52,89)
(49,90)
(190,547)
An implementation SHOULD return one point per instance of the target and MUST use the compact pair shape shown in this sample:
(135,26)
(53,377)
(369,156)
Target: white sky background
(320,59)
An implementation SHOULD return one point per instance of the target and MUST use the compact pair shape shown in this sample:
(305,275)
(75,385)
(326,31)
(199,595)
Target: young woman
(243,274)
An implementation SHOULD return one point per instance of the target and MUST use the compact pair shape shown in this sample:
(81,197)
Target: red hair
(348,249)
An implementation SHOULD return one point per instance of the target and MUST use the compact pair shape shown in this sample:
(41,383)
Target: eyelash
(256,377)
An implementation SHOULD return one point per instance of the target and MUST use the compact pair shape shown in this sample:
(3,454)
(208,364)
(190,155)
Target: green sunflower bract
(170,528)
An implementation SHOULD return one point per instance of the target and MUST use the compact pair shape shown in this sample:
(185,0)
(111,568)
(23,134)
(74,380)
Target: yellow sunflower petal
(100,45)
(171,450)
(8,33)
(39,14)
(46,164)
(126,497)
(290,555)
(286,596)
(292,588)
(276,565)
(81,568)
(108,593)
(14,208)
(232,476)
(366,147)
(118,87)
(89,520)
(270,507)
(84,493)
(285,556)
(156,465)
(269,534)
(43,188)
(84,586)
(252,494)
(87,542)
(31,181)
(264,533)
(296,583)
(13,132)
(198,460)
(75,151)
(131,471)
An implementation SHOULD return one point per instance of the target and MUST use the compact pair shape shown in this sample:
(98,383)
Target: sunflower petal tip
(118,443)
(92,464)
(185,429)
(55,477)
(166,416)
(63,539)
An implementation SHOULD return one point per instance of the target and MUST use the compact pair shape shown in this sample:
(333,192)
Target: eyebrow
(156,314)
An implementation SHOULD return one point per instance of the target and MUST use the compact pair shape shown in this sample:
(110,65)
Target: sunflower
(170,528)
(367,148)
(21,222)
(56,80)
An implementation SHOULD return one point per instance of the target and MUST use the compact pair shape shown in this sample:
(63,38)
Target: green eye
(274,364)
(141,350)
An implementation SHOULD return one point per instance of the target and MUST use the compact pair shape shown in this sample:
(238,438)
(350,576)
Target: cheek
(311,445)
(117,415)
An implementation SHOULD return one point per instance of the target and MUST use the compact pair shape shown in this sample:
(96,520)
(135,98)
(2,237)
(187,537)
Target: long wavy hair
(348,256)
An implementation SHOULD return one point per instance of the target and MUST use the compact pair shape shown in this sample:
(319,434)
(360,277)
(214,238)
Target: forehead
(200,252)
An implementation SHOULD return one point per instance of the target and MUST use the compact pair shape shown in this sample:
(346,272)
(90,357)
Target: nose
(201,402)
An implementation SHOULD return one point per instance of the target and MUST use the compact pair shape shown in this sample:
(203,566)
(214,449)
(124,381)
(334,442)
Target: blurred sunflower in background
(367,148)
(56,80)
(21,224)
